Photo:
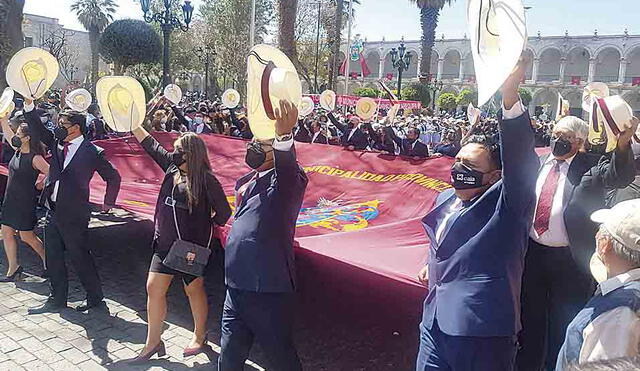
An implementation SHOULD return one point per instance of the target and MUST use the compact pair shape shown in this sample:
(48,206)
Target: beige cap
(622,222)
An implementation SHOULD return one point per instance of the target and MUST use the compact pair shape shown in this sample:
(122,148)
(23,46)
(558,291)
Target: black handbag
(184,256)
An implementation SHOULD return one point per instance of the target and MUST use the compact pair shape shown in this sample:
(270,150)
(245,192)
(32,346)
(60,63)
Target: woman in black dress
(19,205)
(200,203)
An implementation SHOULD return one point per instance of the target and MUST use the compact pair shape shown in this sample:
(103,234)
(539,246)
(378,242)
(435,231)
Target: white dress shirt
(507,114)
(315,136)
(73,148)
(615,333)
(351,133)
(556,235)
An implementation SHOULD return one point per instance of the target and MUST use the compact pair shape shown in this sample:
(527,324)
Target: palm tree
(341,13)
(94,15)
(429,13)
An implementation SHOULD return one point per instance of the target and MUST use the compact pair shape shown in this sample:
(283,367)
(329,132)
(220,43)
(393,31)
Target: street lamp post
(205,54)
(401,61)
(434,87)
(168,22)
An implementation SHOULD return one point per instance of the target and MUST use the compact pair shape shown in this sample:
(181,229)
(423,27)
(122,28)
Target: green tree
(366,92)
(94,15)
(226,27)
(447,101)
(417,91)
(429,13)
(467,96)
(340,20)
(128,42)
(525,95)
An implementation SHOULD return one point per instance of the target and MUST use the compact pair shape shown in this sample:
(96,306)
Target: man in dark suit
(353,138)
(571,185)
(478,236)
(259,258)
(317,135)
(410,146)
(73,162)
(301,132)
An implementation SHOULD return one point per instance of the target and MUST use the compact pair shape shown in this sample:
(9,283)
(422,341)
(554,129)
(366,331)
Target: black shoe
(48,307)
(16,276)
(100,306)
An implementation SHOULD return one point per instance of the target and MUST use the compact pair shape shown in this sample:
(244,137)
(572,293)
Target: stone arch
(633,98)
(388,66)
(433,67)
(451,67)
(545,100)
(574,96)
(632,58)
(607,64)
(549,65)
(608,46)
(414,66)
(372,58)
(529,72)
(577,63)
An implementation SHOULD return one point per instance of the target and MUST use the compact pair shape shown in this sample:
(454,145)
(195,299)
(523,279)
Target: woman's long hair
(35,146)
(197,166)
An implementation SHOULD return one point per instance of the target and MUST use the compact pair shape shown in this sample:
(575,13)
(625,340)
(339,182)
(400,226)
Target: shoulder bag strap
(175,217)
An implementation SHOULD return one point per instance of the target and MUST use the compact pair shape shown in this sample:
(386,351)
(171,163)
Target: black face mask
(60,133)
(16,142)
(255,156)
(560,147)
(464,177)
(177,158)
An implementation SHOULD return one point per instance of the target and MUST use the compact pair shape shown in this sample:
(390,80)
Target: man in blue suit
(259,258)
(478,233)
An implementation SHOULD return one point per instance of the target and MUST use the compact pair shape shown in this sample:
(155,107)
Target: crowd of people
(512,243)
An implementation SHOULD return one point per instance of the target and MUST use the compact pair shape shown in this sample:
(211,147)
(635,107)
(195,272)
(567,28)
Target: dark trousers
(71,240)
(554,290)
(265,317)
(439,351)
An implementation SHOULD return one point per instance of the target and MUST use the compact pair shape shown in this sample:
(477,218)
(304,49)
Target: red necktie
(65,150)
(545,202)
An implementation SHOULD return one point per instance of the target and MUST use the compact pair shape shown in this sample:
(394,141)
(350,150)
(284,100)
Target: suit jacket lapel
(433,219)
(75,155)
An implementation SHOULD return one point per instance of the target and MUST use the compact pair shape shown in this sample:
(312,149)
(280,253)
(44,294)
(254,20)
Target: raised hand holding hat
(32,71)
(122,102)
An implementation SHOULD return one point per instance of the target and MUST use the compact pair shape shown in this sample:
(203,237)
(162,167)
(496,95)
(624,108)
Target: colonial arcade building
(561,64)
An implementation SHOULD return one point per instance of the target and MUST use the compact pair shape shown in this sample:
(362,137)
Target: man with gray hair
(609,325)
(556,281)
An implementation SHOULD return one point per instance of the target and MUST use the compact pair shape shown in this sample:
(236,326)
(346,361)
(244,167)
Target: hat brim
(261,125)
(498,37)
(173,93)
(231,98)
(600,216)
(129,104)
(328,100)
(74,104)
(17,79)
(6,100)
(366,108)
(591,91)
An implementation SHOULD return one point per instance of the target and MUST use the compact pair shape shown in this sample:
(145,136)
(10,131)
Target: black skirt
(19,205)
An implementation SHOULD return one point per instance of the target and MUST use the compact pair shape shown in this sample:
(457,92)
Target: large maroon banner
(360,208)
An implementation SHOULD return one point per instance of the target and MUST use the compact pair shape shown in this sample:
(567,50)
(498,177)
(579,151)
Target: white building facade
(561,64)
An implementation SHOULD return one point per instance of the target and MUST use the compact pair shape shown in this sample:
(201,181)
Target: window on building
(28,41)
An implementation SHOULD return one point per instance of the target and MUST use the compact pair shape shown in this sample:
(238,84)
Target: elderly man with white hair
(556,282)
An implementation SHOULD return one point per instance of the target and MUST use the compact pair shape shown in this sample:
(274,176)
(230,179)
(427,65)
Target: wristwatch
(284,137)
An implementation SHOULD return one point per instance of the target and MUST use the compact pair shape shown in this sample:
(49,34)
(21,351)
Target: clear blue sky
(396,18)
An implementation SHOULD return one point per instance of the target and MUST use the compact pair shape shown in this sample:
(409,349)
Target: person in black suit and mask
(353,138)
(74,160)
(410,146)
(317,135)
(556,282)
(259,258)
